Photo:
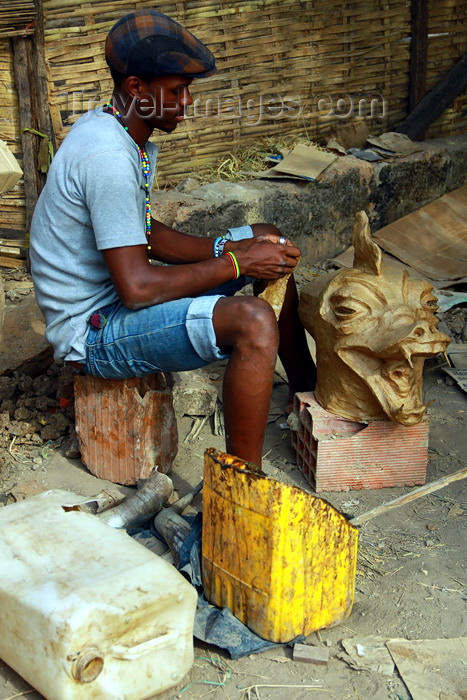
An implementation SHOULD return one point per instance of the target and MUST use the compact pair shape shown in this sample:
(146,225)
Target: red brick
(336,454)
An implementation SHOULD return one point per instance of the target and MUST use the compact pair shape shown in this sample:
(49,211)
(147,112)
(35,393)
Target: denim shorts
(171,337)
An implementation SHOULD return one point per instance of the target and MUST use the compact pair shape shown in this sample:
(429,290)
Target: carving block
(125,427)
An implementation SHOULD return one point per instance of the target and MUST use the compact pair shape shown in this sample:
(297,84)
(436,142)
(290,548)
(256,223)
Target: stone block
(194,394)
(318,216)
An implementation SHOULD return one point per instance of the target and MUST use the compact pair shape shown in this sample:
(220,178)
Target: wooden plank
(13,252)
(27,121)
(409,497)
(434,104)
(418,52)
(40,82)
(17,18)
(12,263)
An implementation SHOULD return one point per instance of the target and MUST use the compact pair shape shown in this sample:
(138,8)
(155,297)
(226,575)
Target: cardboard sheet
(368,653)
(447,300)
(433,239)
(395,144)
(459,375)
(432,668)
(354,139)
(457,353)
(10,171)
(353,135)
(345,259)
(302,162)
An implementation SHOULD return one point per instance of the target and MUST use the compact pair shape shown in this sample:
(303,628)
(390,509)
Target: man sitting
(108,310)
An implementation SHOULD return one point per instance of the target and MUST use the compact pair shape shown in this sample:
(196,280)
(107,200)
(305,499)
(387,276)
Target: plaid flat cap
(147,42)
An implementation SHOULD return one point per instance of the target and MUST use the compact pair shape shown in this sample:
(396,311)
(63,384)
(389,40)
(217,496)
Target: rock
(72,450)
(188,185)
(23,413)
(22,428)
(194,394)
(2,307)
(293,422)
(43,403)
(455,320)
(57,425)
(8,406)
(7,387)
(35,410)
(443,327)
(43,385)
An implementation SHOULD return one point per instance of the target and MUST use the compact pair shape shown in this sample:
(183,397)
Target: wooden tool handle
(411,496)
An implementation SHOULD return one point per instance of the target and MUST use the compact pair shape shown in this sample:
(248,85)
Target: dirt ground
(411,580)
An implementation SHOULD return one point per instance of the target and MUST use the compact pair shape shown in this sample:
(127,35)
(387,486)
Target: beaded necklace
(146,168)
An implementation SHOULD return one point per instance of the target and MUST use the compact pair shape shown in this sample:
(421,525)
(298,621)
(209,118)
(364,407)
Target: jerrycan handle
(120,651)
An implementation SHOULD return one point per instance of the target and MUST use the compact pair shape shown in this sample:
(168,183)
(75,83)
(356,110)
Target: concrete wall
(318,216)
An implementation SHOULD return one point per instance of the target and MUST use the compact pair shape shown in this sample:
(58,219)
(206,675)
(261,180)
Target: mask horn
(367,257)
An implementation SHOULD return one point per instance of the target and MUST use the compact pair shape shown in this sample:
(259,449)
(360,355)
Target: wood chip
(311,655)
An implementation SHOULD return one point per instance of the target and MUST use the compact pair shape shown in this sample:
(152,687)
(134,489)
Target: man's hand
(266,256)
(262,259)
(261,232)
(269,232)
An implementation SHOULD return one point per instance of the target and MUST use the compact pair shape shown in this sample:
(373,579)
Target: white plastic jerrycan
(86,612)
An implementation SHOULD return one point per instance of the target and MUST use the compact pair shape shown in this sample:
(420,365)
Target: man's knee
(258,315)
(246,319)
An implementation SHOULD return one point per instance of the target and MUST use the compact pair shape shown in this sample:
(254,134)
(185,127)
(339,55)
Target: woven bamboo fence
(446,44)
(283,66)
(17,17)
(276,60)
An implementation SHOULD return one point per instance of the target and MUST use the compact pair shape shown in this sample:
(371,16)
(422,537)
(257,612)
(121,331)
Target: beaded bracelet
(219,244)
(235,264)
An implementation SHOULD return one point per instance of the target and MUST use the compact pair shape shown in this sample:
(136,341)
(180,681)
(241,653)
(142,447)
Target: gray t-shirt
(94,199)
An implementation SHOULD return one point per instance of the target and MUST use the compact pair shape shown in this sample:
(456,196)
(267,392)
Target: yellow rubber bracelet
(235,264)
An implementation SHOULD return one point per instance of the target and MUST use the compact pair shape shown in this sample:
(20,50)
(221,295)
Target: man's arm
(140,284)
(171,246)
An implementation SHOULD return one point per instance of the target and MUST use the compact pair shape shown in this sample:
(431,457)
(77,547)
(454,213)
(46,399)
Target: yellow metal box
(281,559)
